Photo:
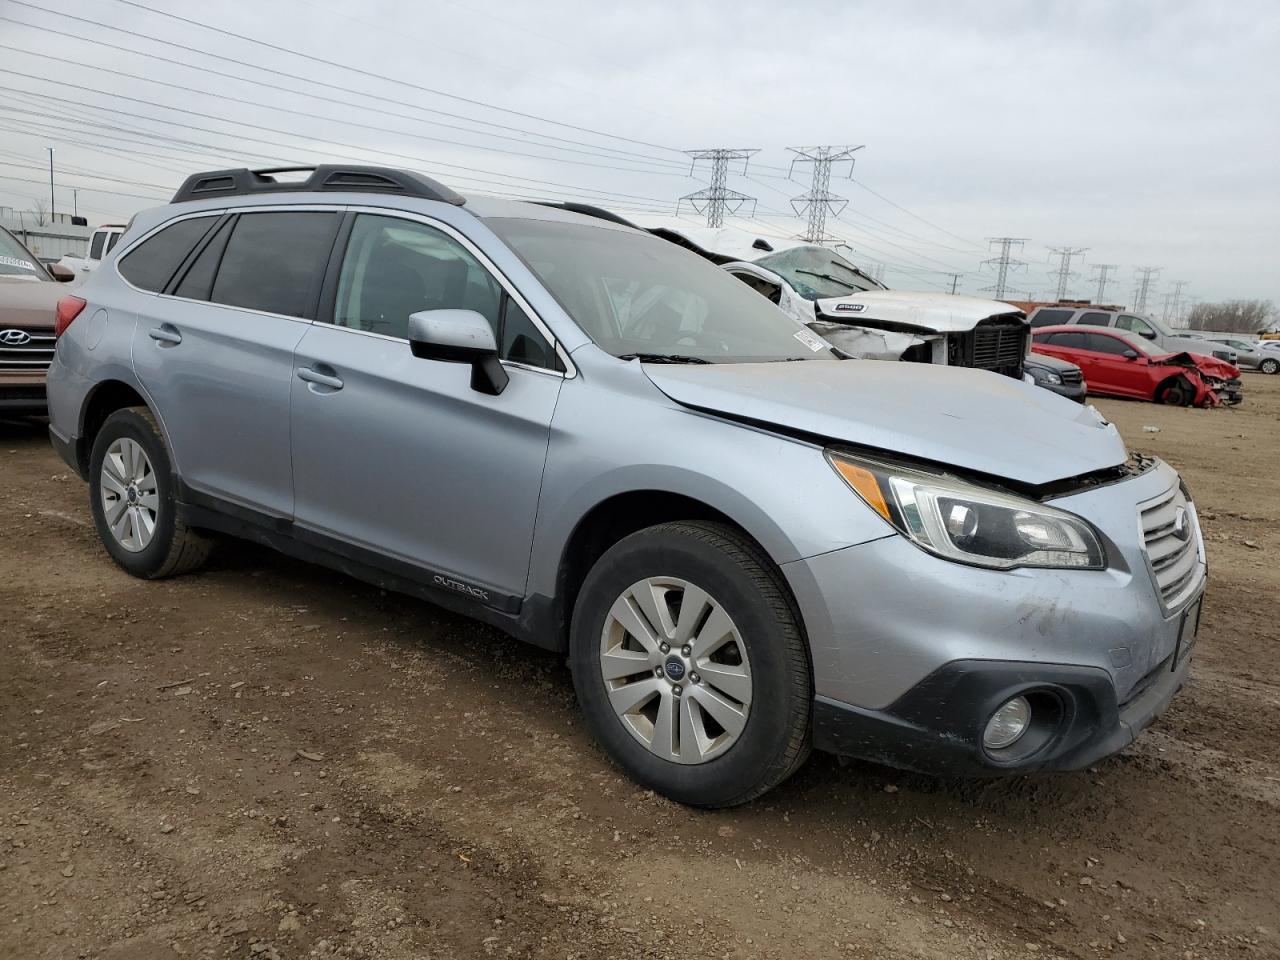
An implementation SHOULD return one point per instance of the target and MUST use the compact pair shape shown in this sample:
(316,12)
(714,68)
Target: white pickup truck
(101,243)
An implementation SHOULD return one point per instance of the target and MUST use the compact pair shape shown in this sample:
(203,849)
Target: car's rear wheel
(131,493)
(1270,365)
(690,664)
(1176,391)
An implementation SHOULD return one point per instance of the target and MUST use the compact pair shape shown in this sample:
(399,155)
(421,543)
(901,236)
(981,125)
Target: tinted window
(1105,344)
(395,267)
(112,240)
(521,341)
(273,261)
(1071,341)
(198,282)
(151,264)
(95,245)
(1049,318)
(1095,319)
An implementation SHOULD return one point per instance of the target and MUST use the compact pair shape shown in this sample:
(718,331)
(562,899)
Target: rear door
(398,457)
(1113,371)
(215,349)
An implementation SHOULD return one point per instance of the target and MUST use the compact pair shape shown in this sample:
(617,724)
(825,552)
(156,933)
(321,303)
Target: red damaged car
(1120,366)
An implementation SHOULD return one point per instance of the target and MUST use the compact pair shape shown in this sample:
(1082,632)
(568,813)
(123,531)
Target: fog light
(1007,724)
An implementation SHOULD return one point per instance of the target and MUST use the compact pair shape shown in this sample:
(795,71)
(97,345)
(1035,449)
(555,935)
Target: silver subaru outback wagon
(596,441)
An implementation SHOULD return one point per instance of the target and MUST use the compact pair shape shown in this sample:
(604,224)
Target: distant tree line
(1233,316)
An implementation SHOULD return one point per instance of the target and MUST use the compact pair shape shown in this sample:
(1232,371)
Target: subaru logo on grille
(675,669)
(14,338)
(1182,524)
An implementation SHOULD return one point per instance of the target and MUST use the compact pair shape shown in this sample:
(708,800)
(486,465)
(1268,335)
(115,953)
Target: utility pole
(1144,276)
(1004,263)
(1065,255)
(75,201)
(53,207)
(955,279)
(1103,270)
(820,199)
(717,199)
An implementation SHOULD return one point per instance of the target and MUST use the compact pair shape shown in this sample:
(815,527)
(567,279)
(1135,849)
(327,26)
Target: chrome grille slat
(1175,563)
(35,354)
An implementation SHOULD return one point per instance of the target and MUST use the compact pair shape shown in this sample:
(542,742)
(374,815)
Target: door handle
(165,334)
(312,375)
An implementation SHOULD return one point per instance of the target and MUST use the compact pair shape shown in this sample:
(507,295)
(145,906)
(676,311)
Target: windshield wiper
(827,276)
(662,358)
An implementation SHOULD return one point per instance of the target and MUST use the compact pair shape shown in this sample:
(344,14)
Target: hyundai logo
(14,338)
(1181,524)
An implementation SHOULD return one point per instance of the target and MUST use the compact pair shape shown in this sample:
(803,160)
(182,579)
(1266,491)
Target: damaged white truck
(830,295)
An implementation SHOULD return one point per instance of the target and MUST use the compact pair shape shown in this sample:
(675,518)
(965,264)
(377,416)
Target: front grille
(1072,376)
(1175,560)
(997,344)
(35,354)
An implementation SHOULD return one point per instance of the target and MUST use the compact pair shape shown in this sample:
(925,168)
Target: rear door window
(1095,319)
(1050,318)
(274,261)
(1101,343)
(152,263)
(1136,325)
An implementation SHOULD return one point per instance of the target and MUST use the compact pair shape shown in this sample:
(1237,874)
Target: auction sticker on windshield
(812,341)
(16,262)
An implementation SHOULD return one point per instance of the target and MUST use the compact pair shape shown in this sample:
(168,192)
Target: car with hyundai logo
(29,293)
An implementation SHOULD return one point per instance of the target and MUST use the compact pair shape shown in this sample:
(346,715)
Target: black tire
(775,740)
(1176,392)
(1270,365)
(174,548)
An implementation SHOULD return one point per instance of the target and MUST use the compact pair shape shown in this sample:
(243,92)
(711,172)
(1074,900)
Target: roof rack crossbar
(331,178)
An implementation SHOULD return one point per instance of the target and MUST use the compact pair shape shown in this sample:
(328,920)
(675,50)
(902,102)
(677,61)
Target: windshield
(1143,345)
(816,273)
(637,295)
(15,261)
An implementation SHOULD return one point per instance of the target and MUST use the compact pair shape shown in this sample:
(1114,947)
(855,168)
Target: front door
(398,455)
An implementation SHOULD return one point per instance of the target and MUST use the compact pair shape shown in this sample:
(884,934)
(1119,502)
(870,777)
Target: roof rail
(328,178)
(600,213)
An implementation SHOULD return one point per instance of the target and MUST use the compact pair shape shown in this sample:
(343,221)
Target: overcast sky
(1148,132)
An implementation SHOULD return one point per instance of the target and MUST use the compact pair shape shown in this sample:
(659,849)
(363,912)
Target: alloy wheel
(676,670)
(130,499)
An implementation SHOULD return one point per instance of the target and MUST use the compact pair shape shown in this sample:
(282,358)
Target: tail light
(68,309)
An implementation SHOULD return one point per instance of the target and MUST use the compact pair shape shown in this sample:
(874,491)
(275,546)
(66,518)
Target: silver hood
(971,419)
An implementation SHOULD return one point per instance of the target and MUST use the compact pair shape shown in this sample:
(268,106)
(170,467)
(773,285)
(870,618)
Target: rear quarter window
(273,262)
(152,263)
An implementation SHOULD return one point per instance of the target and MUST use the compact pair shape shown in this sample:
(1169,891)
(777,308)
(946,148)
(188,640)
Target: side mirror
(61,272)
(1147,334)
(459,336)
(1131,354)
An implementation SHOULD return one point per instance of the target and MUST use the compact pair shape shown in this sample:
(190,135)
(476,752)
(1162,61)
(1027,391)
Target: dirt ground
(270,760)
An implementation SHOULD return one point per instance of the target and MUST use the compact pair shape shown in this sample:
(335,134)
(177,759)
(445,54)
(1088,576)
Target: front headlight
(967,523)
(1045,376)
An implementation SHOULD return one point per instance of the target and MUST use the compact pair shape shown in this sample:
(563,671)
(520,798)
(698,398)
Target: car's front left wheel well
(611,521)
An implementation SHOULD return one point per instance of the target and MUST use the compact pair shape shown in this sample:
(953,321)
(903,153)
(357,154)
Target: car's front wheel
(691,666)
(131,493)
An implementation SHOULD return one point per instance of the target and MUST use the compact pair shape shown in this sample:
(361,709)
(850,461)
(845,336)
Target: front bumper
(936,727)
(1072,391)
(912,653)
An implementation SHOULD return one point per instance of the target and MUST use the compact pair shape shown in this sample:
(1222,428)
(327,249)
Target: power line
(375,76)
(717,199)
(820,199)
(1005,263)
(1065,255)
(1102,271)
(313,83)
(1144,276)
